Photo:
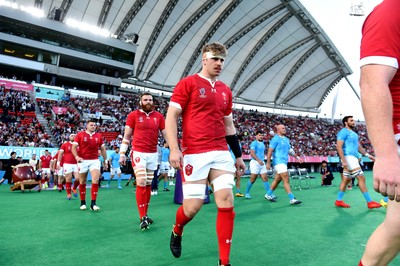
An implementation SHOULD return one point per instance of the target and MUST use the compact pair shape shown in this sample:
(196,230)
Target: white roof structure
(279,56)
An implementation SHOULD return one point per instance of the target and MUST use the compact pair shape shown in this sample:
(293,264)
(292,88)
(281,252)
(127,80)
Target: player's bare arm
(171,129)
(125,144)
(378,111)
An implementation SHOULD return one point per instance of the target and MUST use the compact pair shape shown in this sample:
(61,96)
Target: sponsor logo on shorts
(188,169)
(137,159)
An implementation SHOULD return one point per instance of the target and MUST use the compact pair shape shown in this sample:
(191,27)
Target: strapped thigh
(223,181)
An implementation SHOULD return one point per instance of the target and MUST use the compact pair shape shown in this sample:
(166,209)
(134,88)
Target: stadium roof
(279,56)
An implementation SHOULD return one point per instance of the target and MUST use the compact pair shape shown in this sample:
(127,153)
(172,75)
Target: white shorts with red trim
(197,166)
(144,160)
(88,165)
(70,168)
(46,170)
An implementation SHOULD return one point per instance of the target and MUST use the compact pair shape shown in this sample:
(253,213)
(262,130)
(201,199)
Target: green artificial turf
(46,229)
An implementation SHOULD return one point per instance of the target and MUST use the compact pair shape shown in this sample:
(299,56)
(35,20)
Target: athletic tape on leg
(194,191)
(223,181)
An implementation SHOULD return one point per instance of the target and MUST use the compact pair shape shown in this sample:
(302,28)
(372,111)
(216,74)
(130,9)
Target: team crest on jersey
(140,119)
(137,159)
(155,120)
(188,169)
(85,139)
(202,93)
(224,95)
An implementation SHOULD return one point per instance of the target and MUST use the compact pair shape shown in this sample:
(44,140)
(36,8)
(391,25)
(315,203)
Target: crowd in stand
(309,136)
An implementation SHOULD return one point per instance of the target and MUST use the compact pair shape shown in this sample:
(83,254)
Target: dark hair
(258,132)
(144,94)
(346,118)
(12,153)
(324,162)
(91,120)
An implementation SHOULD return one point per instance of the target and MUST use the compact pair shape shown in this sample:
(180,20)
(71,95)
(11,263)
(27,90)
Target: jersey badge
(202,93)
(188,169)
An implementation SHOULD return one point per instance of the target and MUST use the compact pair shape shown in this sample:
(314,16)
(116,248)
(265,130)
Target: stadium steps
(43,121)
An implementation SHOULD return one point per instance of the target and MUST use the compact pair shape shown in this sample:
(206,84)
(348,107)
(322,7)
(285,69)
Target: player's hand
(122,159)
(387,176)
(79,159)
(261,162)
(240,165)
(268,166)
(176,158)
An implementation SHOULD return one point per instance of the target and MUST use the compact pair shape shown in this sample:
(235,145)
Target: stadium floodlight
(33,11)
(8,4)
(87,28)
(357,8)
(28,9)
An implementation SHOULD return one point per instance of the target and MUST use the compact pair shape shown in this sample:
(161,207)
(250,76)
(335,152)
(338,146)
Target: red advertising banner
(16,85)
(59,110)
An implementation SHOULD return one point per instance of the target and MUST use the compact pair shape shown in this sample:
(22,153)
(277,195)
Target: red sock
(60,186)
(82,191)
(225,218)
(68,187)
(148,196)
(76,183)
(94,190)
(141,200)
(181,221)
(360,264)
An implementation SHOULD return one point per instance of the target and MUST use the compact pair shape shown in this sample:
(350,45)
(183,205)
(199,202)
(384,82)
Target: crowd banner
(24,152)
(16,85)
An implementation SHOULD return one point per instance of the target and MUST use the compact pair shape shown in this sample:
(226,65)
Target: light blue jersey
(350,142)
(259,149)
(164,154)
(281,147)
(114,158)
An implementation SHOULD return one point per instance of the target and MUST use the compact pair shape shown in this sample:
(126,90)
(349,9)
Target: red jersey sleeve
(381,35)
(181,93)
(130,120)
(228,110)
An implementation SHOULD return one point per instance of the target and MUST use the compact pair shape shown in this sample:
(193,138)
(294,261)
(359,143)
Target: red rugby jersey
(145,129)
(89,145)
(204,105)
(68,157)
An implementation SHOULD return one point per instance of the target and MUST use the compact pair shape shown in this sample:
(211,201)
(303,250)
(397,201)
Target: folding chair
(294,178)
(270,174)
(303,176)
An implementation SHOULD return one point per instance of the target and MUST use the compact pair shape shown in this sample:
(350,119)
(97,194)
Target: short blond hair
(216,48)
